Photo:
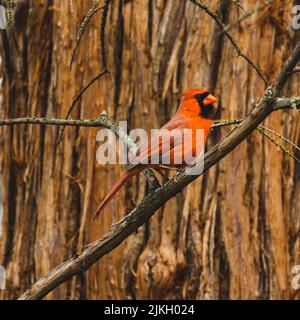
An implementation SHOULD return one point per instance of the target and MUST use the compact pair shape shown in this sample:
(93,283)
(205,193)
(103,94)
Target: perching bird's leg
(153,183)
(165,178)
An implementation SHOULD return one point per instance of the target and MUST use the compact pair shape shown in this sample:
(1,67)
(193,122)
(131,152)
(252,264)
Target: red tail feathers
(116,187)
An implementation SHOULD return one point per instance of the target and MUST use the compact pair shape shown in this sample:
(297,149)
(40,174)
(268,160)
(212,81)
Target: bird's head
(199,101)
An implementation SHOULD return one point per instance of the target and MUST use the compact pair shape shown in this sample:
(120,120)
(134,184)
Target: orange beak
(210,99)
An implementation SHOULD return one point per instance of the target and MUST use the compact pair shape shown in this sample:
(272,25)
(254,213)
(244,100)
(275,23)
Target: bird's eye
(201,97)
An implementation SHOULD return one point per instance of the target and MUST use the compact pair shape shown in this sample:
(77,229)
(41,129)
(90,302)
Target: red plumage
(191,114)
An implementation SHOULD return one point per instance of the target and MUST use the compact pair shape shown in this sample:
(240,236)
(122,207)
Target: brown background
(233,233)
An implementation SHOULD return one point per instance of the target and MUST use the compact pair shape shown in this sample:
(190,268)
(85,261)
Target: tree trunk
(232,234)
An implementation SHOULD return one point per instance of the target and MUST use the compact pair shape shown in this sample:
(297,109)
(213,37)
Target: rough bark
(234,233)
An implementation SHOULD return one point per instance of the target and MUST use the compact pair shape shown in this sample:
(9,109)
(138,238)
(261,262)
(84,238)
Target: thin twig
(297,70)
(237,3)
(92,11)
(280,136)
(10,6)
(9,11)
(263,130)
(82,91)
(102,33)
(281,103)
(102,73)
(229,27)
(223,123)
(281,146)
(229,36)
(77,98)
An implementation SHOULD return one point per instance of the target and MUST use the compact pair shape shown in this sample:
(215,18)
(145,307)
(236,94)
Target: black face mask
(206,111)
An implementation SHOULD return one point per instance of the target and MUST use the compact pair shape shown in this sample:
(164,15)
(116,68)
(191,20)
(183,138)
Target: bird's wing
(157,149)
(171,148)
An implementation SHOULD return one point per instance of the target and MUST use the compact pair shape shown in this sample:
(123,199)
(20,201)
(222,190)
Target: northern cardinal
(194,113)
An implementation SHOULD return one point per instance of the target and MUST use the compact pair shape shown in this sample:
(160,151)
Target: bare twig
(229,36)
(100,75)
(102,33)
(78,97)
(9,10)
(264,132)
(281,103)
(279,136)
(122,229)
(223,123)
(92,11)
(237,3)
(10,6)
(296,70)
(229,27)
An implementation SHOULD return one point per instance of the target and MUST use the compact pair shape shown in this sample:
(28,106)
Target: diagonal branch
(153,201)
(248,14)
(230,37)
(266,132)
(92,11)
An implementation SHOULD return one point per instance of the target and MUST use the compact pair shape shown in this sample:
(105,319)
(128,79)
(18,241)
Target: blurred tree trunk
(233,233)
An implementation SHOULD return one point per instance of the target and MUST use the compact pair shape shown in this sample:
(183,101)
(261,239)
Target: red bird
(194,113)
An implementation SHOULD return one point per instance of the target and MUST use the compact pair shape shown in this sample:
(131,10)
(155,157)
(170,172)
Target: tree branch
(153,201)
(103,121)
